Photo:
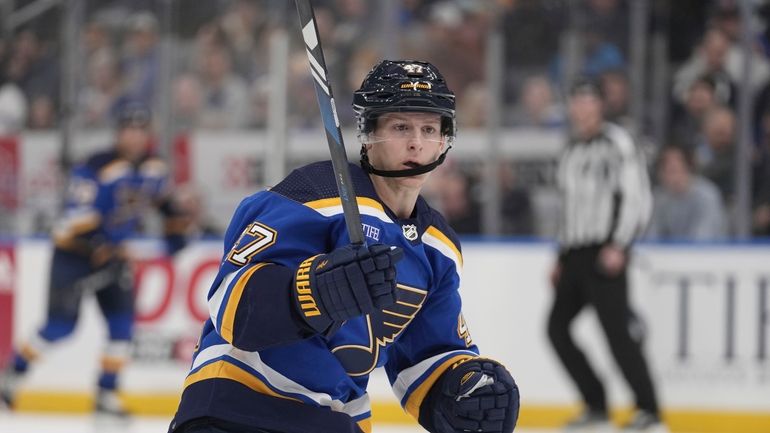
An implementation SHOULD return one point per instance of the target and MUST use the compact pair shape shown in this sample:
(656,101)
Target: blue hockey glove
(348,282)
(478,395)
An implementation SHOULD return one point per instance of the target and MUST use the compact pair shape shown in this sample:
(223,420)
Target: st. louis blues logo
(410,231)
(383,328)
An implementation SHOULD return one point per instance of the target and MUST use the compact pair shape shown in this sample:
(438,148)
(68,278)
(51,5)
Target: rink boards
(706,309)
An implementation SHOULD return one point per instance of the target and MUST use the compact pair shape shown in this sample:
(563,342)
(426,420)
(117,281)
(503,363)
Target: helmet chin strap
(367,166)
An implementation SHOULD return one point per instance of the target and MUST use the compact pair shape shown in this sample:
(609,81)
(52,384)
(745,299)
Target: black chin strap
(367,166)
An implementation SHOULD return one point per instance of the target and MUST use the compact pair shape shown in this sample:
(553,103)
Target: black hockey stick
(323,90)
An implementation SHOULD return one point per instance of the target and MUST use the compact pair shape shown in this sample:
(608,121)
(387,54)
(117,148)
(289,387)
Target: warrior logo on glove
(348,282)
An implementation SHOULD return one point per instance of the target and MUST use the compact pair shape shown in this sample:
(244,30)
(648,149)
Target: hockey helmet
(404,85)
(133,114)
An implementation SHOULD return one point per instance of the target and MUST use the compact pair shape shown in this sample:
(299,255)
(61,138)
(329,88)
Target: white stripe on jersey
(215,302)
(364,210)
(408,376)
(444,249)
(280,382)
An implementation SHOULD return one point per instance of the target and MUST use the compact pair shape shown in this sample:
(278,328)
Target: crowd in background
(220,81)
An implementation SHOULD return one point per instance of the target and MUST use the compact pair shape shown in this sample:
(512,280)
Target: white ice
(47,423)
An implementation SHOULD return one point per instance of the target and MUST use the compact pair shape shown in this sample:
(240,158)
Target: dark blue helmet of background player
(404,86)
(133,114)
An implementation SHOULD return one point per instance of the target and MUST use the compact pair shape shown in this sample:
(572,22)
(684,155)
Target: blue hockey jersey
(106,197)
(257,363)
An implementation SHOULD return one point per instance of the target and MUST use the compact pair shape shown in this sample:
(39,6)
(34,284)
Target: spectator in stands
(244,25)
(687,123)
(761,178)
(141,62)
(452,28)
(538,107)
(761,208)
(474,106)
(42,113)
(709,58)
(188,102)
(13,104)
(727,18)
(102,90)
(353,28)
(34,69)
(610,19)
(686,206)
(716,157)
(462,214)
(517,206)
(225,95)
(524,21)
(616,97)
(599,56)
(303,105)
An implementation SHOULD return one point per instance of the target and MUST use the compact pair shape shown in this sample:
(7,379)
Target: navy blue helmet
(404,85)
(133,114)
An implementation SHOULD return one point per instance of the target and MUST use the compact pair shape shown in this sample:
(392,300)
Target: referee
(606,196)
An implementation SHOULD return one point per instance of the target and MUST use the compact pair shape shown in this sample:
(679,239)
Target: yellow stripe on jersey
(228,320)
(336,201)
(225,370)
(154,168)
(113,364)
(412,405)
(436,233)
(29,353)
(365,425)
(114,170)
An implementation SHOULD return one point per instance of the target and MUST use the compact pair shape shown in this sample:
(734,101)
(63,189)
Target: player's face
(406,140)
(133,142)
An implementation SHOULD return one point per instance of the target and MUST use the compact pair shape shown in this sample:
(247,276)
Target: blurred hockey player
(106,197)
(299,317)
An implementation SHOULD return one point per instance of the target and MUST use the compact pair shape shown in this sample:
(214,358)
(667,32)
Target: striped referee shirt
(605,190)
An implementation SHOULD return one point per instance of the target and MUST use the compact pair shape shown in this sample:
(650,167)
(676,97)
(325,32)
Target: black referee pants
(583,283)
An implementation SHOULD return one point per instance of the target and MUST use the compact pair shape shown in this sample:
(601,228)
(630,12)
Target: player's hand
(478,395)
(612,260)
(555,274)
(348,282)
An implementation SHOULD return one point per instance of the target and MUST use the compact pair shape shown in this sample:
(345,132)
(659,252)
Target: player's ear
(367,143)
(442,145)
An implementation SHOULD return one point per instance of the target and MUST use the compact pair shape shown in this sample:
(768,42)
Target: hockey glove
(348,282)
(478,395)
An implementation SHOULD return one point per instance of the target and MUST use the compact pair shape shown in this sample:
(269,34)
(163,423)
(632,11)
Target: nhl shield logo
(410,231)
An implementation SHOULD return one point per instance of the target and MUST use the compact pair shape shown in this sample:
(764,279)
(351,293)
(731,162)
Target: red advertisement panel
(9,173)
(7,278)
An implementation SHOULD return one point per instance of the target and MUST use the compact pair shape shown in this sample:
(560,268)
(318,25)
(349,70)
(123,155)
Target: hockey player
(106,197)
(299,317)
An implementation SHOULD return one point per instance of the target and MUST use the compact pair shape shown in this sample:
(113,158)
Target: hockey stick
(323,90)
